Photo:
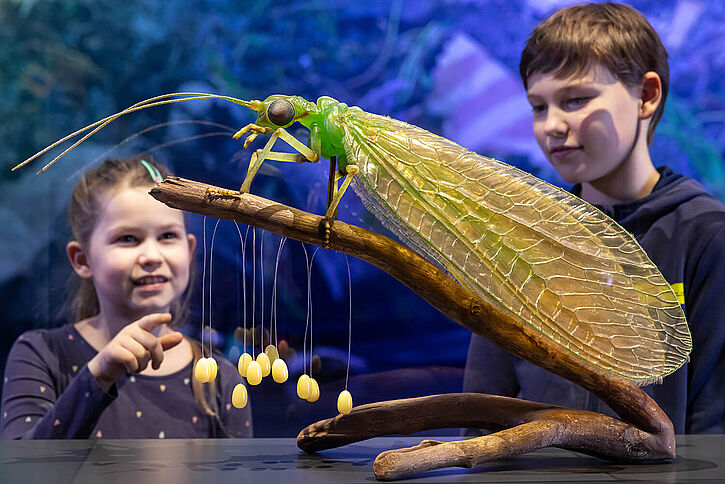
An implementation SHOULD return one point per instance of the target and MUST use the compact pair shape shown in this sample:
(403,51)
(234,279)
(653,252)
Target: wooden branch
(521,426)
(486,318)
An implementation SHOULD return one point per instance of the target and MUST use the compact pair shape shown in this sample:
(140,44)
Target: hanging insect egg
(303,386)
(254,373)
(263,361)
(271,352)
(202,370)
(243,364)
(279,371)
(239,396)
(344,402)
(314,394)
(212,368)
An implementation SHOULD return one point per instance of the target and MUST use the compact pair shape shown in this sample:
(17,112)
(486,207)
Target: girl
(120,371)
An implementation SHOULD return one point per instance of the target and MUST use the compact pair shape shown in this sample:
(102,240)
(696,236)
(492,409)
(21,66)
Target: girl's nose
(150,254)
(555,125)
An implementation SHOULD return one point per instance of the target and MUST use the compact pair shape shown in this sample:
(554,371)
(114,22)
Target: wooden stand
(644,434)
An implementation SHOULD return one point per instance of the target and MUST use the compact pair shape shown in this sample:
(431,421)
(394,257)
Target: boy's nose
(555,125)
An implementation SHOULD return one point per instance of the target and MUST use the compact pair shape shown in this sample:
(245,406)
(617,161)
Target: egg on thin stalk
(344,402)
(280,373)
(212,368)
(263,361)
(243,364)
(314,394)
(271,352)
(303,386)
(202,370)
(239,396)
(254,373)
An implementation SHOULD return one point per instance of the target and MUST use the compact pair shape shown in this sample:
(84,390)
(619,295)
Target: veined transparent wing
(556,262)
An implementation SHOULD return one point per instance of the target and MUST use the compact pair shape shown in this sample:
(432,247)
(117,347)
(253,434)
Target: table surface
(700,458)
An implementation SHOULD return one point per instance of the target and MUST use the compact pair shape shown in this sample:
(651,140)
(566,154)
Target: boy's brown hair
(614,35)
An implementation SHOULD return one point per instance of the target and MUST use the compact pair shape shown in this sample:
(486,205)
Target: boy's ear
(78,259)
(651,94)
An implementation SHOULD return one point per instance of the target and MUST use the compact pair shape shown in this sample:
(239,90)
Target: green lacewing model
(555,262)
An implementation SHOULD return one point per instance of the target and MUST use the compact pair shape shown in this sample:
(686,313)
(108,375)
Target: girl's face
(139,254)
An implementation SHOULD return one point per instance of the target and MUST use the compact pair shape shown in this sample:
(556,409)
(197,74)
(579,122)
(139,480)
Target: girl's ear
(651,94)
(191,239)
(78,259)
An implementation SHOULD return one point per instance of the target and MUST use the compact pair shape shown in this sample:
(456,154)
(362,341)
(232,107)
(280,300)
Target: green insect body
(556,262)
(553,261)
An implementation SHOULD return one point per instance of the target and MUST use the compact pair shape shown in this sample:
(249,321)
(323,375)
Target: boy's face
(586,125)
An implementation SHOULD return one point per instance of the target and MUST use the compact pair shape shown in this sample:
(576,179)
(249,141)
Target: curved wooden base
(519,427)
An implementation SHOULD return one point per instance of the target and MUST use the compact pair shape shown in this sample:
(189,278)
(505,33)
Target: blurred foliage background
(449,66)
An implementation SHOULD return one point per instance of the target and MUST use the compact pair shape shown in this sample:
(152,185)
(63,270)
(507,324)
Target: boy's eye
(538,108)
(168,235)
(578,101)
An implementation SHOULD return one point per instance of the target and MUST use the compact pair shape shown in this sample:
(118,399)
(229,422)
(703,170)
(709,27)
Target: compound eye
(281,112)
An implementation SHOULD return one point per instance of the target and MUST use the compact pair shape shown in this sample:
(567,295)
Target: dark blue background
(449,66)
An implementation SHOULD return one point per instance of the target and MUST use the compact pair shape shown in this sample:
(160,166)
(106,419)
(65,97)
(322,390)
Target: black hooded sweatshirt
(682,229)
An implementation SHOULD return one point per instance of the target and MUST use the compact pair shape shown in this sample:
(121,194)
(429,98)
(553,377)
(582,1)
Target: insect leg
(266,153)
(338,193)
(305,154)
(351,170)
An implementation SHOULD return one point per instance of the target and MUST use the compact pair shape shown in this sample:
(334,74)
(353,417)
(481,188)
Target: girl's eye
(538,108)
(126,238)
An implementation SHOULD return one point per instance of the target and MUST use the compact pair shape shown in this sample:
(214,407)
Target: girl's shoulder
(61,350)
(61,336)
(61,340)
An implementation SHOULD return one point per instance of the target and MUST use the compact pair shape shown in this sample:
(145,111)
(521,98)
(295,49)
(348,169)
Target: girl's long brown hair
(116,174)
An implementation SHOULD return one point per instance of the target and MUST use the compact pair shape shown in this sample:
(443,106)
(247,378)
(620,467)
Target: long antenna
(146,103)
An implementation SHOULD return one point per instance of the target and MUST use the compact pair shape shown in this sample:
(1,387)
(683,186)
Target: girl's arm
(132,349)
(37,402)
(34,404)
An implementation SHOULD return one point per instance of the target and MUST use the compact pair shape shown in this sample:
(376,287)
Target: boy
(597,78)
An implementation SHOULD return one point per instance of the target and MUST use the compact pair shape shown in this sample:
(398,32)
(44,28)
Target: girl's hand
(132,349)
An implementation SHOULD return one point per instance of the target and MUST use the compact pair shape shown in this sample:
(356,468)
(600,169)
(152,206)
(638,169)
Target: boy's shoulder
(685,209)
(694,201)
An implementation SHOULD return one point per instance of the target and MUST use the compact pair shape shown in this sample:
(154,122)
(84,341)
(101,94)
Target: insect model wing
(554,261)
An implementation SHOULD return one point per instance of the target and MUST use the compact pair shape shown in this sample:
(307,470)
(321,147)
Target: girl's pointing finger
(153,321)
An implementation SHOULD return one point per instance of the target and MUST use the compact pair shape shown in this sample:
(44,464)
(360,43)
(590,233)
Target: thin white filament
(261,283)
(273,315)
(307,318)
(242,241)
(211,268)
(203,286)
(254,282)
(309,304)
(349,320)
